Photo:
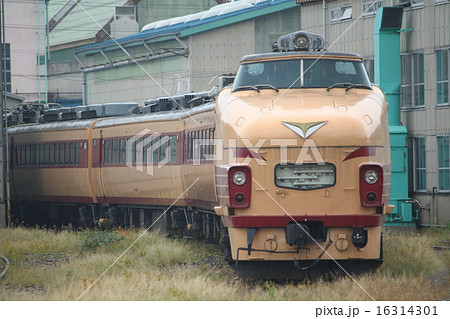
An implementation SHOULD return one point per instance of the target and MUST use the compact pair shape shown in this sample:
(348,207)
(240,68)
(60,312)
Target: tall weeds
(48,265)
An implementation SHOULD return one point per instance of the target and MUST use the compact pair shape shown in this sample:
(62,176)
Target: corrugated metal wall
(431,31)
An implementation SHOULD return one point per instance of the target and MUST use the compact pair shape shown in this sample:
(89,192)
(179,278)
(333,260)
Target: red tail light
(371,185)
(234,185)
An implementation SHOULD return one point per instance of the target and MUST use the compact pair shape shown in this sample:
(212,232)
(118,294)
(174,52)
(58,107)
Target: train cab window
(278,74)
(122,150)
(327,72)
(301,73)
(173,148)
(107,152)
(115,151)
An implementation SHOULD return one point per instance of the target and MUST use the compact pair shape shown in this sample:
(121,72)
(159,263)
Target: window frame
(419,184)
(341,10)
(441,81)
(374,6)
(414,83)
(442,168)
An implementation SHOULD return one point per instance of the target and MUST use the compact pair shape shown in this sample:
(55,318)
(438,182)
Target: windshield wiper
(246,87)
(267,86)
(349,86)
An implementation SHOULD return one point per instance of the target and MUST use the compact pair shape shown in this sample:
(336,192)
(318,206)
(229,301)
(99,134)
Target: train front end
(303,182)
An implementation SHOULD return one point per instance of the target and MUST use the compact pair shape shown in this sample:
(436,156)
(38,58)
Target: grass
(49,265)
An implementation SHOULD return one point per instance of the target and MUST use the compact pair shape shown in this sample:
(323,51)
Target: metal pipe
(143,59)
(324,20)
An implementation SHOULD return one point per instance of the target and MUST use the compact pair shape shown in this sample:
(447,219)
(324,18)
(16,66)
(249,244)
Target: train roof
(321,54)
(111,121)
(156,116)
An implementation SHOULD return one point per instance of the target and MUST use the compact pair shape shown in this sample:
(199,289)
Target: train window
(56,154)
(173,148)
(41,154)
(139,150)
(122,150)
(163,148)
(107,152)
(51,154)
(155,149)
(46,154)
(61,153)
(71,153)
(146,148)
(77,153)
(22,155)
(27,155)
(211,146)
(32,155)
(115,151)
(189,146)
(66,153)
(307,73)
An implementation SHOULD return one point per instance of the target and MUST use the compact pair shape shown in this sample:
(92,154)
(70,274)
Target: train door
(96,149)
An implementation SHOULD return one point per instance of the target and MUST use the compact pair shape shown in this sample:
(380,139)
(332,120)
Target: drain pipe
(324,21)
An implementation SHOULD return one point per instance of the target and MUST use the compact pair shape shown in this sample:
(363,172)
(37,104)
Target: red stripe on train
(283,221)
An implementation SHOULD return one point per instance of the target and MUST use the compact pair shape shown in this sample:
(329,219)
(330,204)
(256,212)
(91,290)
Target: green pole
(388,22)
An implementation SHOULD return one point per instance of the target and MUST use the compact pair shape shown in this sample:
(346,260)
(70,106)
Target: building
(73,25)
(25,48)
(183,54)
(425,106)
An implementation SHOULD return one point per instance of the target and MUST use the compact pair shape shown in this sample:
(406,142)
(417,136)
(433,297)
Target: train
(288,167)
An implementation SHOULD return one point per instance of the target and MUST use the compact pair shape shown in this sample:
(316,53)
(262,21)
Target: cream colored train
(289,167)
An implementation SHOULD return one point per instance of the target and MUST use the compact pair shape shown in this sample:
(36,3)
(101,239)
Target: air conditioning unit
(124,22)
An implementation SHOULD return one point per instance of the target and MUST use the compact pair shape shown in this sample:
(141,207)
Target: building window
(413,85)
(416,3)
(371,7)
(442,69)
(419,164)
(341,13)
(6,51)
(444,162)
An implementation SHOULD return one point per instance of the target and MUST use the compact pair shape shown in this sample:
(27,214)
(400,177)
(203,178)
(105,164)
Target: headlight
(239,178)
(301,41)
(371,177)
